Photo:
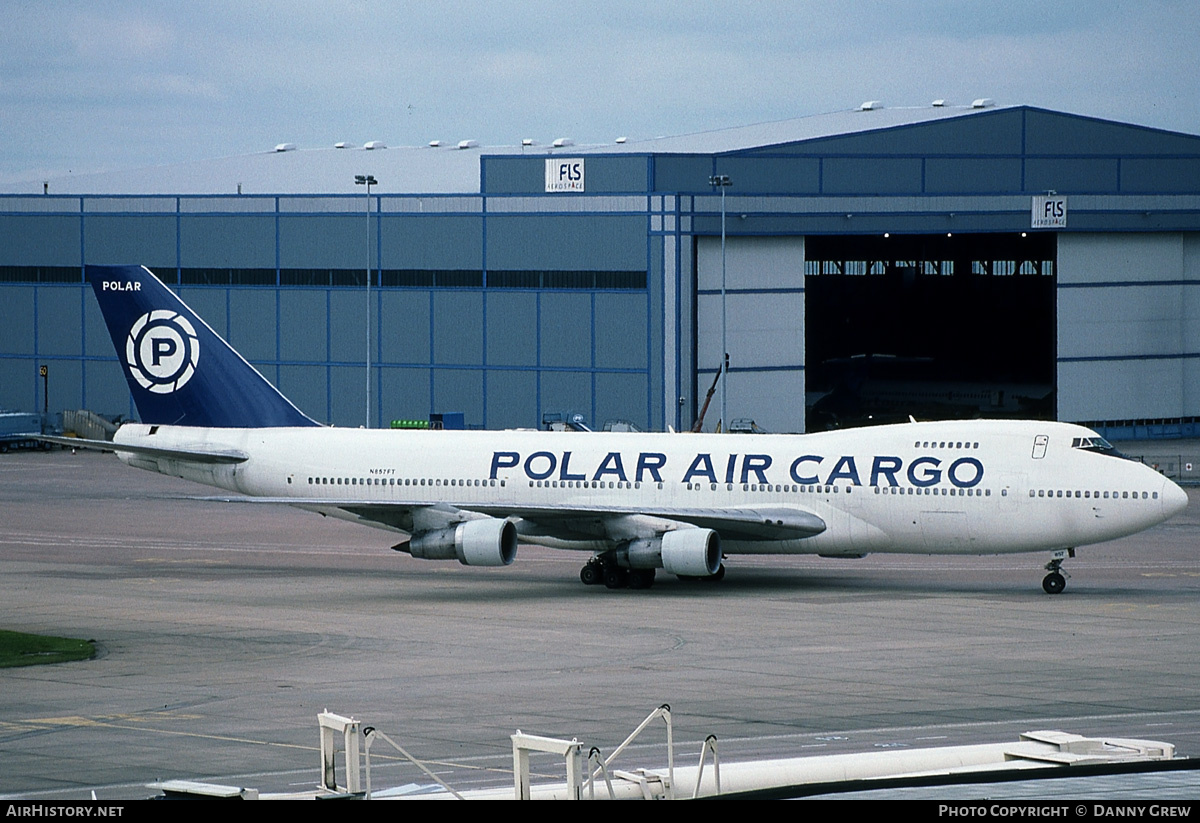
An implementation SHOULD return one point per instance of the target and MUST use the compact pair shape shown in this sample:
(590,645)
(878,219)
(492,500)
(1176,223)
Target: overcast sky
(105,84)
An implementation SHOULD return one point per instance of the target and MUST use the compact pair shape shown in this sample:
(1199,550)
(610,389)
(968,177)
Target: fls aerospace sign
(564,174)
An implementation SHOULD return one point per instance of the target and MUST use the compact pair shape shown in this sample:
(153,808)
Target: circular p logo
(162,351)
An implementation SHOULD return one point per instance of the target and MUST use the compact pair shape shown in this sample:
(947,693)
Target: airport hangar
(992,246)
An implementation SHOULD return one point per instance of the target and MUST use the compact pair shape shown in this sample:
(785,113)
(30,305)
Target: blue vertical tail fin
(180,371)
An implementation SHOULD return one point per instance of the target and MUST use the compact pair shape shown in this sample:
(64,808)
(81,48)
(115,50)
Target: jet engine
(484,542)
(691,552)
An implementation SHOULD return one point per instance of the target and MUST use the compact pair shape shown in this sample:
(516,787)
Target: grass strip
(20,649)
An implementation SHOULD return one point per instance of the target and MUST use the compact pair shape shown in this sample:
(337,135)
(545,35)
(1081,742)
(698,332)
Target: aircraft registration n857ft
(637,502)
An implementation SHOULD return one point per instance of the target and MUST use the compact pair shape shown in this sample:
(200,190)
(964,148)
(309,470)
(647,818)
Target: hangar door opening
(934,326)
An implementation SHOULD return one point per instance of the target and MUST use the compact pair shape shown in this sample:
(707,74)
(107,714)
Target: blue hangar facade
(878,262)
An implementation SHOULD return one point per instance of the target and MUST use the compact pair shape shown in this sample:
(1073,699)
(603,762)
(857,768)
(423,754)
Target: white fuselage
(961,487)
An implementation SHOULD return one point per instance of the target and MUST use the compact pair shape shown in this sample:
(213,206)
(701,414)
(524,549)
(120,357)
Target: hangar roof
(758,135)
(448,169)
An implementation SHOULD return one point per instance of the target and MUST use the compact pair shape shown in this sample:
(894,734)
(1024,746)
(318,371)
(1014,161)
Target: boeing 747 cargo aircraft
(634,502)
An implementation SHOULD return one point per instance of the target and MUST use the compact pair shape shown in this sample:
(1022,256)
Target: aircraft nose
(1174,499)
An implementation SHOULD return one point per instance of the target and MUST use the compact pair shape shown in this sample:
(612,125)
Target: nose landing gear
(1056,580)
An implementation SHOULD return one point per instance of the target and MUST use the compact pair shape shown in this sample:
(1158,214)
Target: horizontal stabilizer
(198,455)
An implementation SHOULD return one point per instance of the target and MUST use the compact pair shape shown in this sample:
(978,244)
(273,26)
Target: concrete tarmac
(225,628)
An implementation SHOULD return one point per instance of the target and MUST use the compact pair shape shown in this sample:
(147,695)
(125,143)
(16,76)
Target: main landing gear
(717,577)
(605,569)
(1056,580)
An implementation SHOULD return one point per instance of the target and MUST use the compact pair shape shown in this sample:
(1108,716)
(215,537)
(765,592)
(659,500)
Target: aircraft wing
(774,523)
(573,521)
(199,454)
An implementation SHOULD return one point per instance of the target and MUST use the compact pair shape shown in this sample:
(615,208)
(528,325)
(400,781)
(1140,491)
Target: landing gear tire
(715,577)
(641,578)
(615,577)
(591,574)
(1054,583)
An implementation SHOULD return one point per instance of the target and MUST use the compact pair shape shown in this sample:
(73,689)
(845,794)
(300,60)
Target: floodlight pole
(368,180)
(723,182)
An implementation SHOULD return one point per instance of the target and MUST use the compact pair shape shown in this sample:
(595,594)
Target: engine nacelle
(691,552)
(484,542)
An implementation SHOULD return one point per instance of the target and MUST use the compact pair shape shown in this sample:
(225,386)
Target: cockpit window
(1095,444)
